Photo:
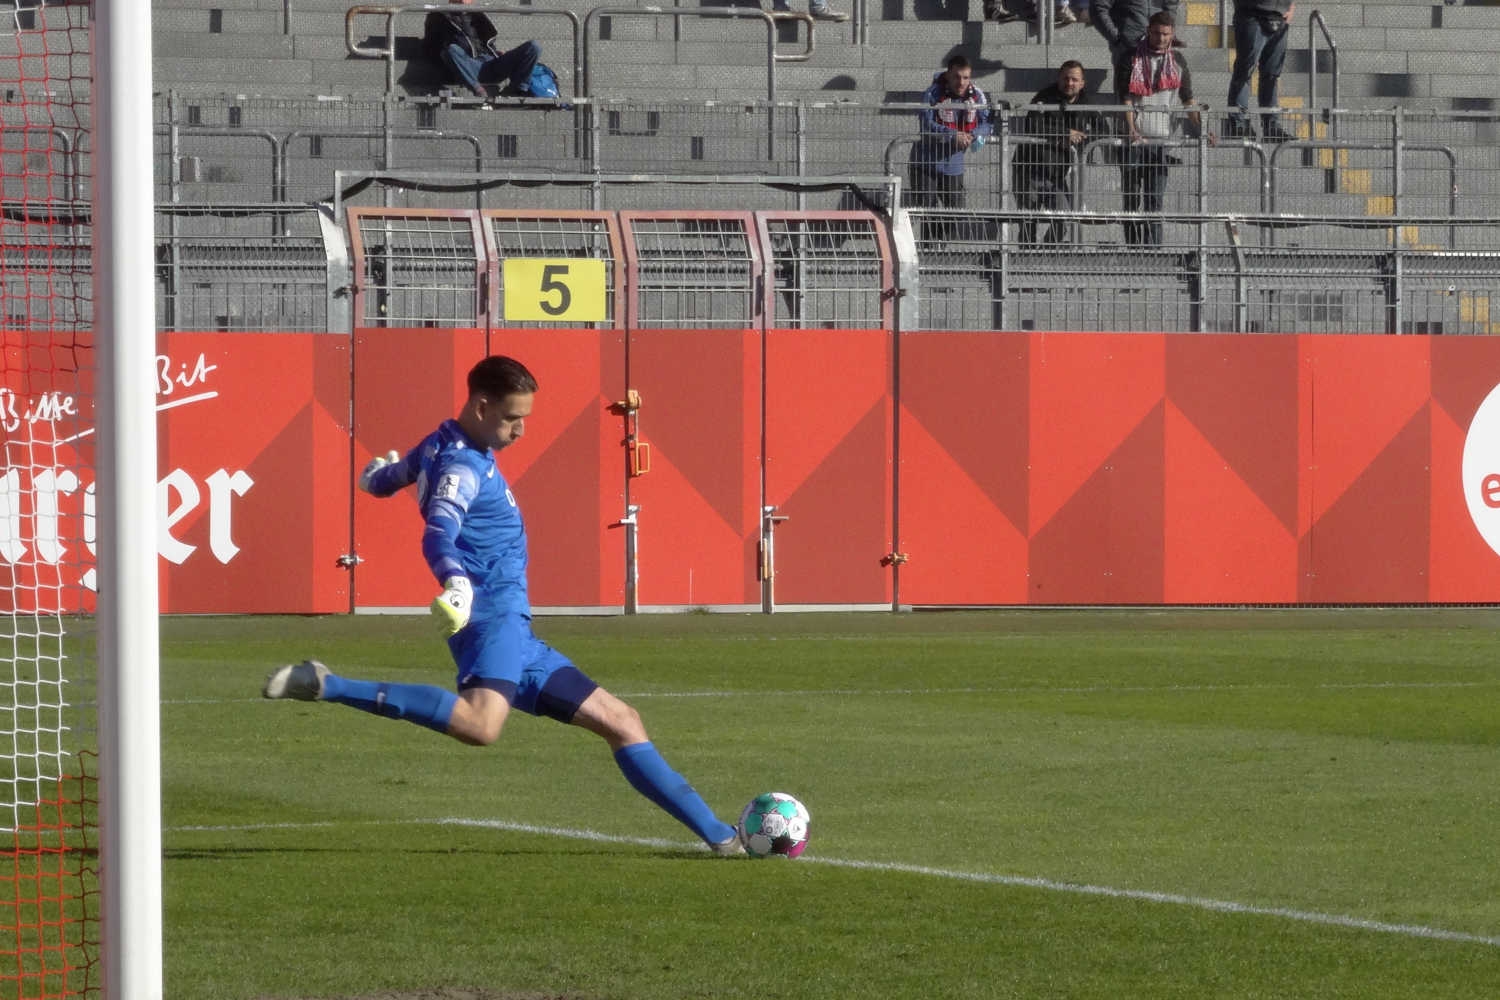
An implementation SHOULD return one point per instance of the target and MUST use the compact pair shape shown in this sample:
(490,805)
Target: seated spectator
(1040,170)
(465,43)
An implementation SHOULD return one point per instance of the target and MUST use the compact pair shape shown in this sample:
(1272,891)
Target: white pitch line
(986,878)
(912,692)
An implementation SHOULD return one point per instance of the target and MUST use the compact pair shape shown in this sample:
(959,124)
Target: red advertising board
(700,415)
(1013,468)
(829,464)
(1192,469)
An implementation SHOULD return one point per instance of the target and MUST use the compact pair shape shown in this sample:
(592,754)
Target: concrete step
(1416,54)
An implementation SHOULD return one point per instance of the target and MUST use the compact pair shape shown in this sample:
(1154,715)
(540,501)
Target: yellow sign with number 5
(561,290)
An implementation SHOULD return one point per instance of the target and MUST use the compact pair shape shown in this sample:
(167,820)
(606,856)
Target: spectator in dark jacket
(465,43)
(1040,169)
(1260,35)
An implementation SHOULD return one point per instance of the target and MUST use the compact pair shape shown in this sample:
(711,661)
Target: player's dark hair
(959,61)
(498,376)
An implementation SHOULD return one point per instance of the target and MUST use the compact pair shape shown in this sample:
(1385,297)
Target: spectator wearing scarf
(1152,83)
(955,120)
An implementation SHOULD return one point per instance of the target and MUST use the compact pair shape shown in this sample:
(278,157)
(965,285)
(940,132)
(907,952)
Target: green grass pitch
(1097,804)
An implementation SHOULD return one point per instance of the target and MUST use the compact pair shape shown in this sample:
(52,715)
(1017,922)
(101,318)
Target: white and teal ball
(775,825)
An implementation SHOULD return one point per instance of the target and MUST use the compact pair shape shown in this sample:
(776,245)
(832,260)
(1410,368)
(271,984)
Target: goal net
(49,887)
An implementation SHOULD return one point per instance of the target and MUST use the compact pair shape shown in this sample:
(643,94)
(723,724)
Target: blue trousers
(513,67)
(1259,43)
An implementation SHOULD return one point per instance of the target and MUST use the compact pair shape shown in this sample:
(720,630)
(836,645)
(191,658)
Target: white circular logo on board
(1482,469)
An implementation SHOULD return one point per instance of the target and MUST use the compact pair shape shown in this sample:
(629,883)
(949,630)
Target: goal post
(129,658)
(80,786)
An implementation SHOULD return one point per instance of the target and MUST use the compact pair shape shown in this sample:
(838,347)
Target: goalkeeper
(475,543)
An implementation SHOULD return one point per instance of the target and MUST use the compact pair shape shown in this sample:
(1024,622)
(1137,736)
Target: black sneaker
(1275,133)
(1237,128)
(1000,15)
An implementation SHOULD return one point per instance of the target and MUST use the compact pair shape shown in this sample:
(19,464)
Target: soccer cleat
(728,848)
(302,681)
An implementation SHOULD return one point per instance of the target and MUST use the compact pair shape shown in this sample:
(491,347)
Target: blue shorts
(502,654)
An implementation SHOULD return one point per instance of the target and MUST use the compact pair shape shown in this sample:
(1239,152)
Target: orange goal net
(49,895)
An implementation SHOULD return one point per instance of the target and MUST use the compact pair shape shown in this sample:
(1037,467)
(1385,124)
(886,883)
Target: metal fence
(1335,276)
(1342,163)
(1366,221)
(700,270)
(244,268)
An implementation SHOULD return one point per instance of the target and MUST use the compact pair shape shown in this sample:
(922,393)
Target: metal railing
(769,18)
(1341,276)
(1363,234)
(223,268)
(1315,26)
(1397,150)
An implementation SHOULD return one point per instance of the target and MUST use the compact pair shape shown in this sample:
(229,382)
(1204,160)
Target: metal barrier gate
(713,433)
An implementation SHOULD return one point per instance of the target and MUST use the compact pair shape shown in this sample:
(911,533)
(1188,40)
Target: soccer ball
(774,825)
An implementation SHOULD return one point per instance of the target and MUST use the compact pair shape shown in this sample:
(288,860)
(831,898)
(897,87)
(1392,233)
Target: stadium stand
(259,102)
(1432,56)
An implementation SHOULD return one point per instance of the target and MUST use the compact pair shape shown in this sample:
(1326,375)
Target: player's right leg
(648,772)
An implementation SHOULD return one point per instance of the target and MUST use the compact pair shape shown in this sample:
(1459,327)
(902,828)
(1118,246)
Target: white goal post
(129,657)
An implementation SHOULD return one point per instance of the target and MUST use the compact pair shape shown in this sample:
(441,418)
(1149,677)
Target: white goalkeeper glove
(376,464)
(450,609)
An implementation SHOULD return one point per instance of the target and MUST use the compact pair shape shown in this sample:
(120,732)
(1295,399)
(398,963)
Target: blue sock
(420,703)
(649,774)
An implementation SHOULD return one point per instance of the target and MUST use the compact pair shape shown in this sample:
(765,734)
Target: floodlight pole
(129,659)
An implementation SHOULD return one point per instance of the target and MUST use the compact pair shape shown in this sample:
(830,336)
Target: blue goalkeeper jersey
(473,524)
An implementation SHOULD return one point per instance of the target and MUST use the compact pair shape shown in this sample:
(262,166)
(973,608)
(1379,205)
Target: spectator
(1040,170)
(995,10)
(1153,83)
(1123,23)
(819,9)
(1260,34)
(465,43)
(956,120)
